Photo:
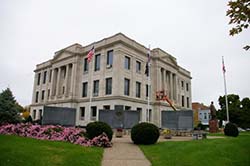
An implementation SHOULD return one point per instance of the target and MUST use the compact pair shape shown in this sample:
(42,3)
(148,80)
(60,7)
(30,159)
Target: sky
(195,32)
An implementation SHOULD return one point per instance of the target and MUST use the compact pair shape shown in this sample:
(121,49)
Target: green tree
(239,13)
(9,108)
(239,111)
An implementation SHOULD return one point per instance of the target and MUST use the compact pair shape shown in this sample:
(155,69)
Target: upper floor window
(187,88)
(43,92)
(84,89)
(96,88)
(38,78)
(44,77)
(127,63)
(110,58)
(48,94)
(126,86)
(37,95)
(182,84)
(182,101)
(138,89)
(187,102)
(138,67)
(108,86)
(147,89)
(97,62)
(85,65)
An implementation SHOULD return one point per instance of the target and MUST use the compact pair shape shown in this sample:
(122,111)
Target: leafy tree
(239,13)
(239,111)
(9,108)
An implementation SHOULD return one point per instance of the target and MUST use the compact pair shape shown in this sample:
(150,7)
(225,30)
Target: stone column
(66,81)
(72,84)
(58,82)
(171,86)
(53,82)
(175,84)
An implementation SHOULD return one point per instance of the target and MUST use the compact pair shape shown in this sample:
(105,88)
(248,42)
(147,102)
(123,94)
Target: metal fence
(177,120)
(59,116)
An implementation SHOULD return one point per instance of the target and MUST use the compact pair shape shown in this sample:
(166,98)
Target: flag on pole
(223,66)
(147,64)
(91,53)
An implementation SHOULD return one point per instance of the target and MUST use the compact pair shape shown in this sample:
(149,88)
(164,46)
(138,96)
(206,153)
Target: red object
(119,129)
(91,53)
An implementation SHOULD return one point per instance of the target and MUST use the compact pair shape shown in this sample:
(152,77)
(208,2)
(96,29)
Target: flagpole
(225,86)
(149,84)
(90,87)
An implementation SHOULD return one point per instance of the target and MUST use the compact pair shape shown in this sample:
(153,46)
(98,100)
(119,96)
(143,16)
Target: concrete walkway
(124,153)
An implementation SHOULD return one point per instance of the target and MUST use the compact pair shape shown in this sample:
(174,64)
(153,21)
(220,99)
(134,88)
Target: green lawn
(19,151)
(227,151)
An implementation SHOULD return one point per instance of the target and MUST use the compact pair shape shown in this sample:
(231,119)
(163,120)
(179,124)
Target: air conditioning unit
(109,66)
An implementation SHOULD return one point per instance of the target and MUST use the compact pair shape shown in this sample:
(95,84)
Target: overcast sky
(195,32)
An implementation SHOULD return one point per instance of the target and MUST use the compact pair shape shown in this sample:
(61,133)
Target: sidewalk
(124,153)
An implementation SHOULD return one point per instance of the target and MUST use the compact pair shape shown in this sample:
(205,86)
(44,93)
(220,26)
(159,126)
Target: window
(187,86)
(63,90)
(85,65)
(84,89)
(126,86)
(38,78)
(108,86)
(34,114)
(205,115)
(82,113)
(140,112)
(40,114)
(182,101)
(48,93)
(96,88)
(106,107)
(187,102)
(127,108)
(127,63)
(50,75)
(182,84)
(147,90)
(110,58)
(138,67)
(138,89)
(44,77)
(149,115)
(37,95)
(93,113)
(97,62)
(43,94)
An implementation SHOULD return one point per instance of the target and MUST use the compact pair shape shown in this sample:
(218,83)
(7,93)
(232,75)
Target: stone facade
(64,81)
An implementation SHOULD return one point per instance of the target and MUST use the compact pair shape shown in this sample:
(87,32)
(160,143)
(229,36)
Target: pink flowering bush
(55,133)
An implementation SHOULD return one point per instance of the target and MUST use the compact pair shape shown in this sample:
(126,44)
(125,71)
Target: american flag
(147,64)
(91,53)
(223,66)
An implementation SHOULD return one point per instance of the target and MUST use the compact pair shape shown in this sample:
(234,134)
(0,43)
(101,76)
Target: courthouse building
(115,76)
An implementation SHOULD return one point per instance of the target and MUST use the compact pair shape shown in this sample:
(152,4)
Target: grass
(227,151)
(18,151)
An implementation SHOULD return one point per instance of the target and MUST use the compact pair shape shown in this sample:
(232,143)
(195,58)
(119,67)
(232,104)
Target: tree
(239,13)
(239,111)
(9,108)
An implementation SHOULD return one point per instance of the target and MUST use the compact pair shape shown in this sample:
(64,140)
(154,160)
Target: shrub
(231,130)
(95,129)
(145,133)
